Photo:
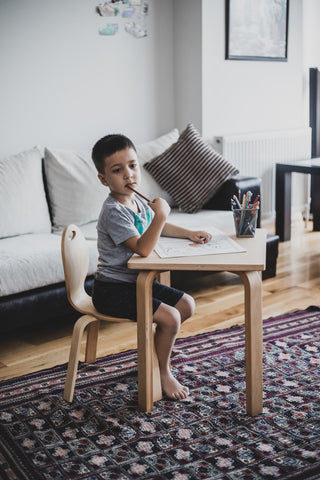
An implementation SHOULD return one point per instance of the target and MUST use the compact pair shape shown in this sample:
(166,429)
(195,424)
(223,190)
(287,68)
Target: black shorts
(120,299)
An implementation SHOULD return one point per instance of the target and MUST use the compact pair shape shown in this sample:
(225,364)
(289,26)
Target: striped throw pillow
(191,171)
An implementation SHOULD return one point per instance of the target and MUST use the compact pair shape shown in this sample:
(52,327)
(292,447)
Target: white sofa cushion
(201,220)
(222,219)
(32,261)
(23,204)
(75,192)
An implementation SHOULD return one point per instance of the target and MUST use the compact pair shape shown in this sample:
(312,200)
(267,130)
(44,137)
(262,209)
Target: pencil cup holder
(245,221)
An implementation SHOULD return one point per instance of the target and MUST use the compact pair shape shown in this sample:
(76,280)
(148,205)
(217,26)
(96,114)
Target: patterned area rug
(103,436)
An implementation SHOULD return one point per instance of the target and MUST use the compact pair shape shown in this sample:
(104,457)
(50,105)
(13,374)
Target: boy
(128,225)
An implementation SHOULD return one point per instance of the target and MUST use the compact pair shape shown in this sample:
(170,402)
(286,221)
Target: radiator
(256,154)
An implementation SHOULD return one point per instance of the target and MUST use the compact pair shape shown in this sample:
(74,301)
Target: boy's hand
(160,207)
(200,236)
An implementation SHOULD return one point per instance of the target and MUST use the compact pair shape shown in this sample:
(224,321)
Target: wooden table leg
(253,340)
(149,386)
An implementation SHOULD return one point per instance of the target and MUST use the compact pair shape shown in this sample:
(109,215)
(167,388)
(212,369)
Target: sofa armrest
(221,200)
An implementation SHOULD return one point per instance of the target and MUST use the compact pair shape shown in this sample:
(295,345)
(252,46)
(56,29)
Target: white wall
(241,96)
(311,33)
(231,96)
(187,46)
(64,85)
(311,42)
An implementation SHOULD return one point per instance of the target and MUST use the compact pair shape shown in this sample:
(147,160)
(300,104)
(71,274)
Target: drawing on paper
(179,247)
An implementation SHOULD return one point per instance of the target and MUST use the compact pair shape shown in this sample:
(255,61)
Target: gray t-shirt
(116,224)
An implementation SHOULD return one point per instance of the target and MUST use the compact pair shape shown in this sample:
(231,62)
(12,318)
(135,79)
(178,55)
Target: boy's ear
(102,179)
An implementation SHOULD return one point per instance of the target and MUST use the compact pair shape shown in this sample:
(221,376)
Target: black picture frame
(257,30)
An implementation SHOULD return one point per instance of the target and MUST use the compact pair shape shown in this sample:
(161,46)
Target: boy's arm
(199,236)
(145,244)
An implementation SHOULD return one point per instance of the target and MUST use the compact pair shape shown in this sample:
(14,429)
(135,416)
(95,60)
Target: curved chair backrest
(75,258)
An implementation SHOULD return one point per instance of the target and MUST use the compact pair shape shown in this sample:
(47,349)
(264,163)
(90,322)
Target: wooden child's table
(248,265)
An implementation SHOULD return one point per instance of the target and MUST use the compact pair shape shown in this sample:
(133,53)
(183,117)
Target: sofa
(43,190)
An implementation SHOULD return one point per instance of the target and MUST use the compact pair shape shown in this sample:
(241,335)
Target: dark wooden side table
(283,194)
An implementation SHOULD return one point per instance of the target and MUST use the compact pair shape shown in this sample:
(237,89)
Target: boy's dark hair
(108,145)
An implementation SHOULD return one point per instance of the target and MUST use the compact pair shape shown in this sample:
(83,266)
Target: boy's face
(120,170)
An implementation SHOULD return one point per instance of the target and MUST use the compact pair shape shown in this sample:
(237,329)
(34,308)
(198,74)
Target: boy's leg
(168,320)
(183,302)
(186,307)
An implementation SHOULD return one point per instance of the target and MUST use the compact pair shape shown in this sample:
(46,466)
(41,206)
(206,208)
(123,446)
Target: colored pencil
(237,201)
(140,194)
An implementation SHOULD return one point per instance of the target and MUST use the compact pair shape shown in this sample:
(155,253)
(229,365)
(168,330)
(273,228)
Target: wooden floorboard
(219,304)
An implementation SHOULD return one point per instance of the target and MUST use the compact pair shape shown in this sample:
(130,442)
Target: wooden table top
(254,258)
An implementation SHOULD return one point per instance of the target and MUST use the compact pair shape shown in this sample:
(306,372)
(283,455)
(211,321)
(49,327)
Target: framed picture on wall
(257,30)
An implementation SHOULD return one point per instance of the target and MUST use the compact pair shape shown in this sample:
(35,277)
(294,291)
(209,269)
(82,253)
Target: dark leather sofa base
(42,305)
(186,279)
(50,304)
(236,184)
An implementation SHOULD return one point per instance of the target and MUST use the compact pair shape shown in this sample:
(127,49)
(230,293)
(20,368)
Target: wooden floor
(219,304)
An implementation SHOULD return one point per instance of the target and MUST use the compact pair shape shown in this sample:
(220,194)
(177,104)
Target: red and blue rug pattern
(103,436)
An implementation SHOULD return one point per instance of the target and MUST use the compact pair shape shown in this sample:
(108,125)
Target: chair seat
(85,305)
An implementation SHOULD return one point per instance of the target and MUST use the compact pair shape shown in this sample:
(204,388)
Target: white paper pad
(180,247)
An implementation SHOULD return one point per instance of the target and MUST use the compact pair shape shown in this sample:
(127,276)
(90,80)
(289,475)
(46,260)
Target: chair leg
(92,341)
(77,335)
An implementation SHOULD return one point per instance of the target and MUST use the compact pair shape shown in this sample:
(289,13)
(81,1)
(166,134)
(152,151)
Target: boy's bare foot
(172,388)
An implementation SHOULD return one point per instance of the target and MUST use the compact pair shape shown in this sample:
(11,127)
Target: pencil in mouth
(138,193)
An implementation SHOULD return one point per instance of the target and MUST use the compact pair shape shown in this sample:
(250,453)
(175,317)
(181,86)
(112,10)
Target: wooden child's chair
(75,257)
